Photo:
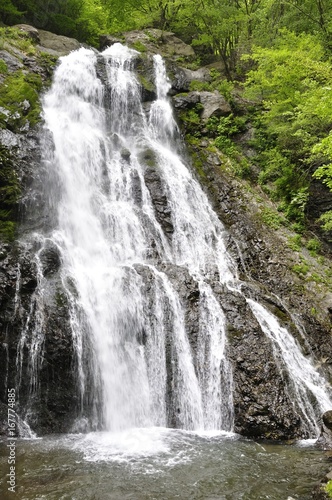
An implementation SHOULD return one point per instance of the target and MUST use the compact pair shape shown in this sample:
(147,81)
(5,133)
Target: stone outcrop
(213,103)
(56,45)
(29,30)
(153,41)
(182,77)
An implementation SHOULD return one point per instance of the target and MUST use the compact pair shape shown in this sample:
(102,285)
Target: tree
(9,13)
(292,80)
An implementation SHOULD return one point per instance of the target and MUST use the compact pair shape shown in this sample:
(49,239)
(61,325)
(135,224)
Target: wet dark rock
(125,154)
(263,408)
(50,259)
(155,186)
(319,202)
(319,492)
(327,419)
(108,40)
(261,402)
(325,439)
(186,101)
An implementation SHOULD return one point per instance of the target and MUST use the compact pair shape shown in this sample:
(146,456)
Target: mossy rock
(10,191)
(19,100)
(148,157)
(139,46)
(146,83)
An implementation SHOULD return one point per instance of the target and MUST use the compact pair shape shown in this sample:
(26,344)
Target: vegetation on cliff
(21,81)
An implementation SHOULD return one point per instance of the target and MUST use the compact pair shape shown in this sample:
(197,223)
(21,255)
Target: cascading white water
(307,387)
(134,361)
(105,236)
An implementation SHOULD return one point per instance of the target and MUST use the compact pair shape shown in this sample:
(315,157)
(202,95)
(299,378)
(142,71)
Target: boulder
(182,77)
(107,41)
(214,104)
(31,31)
(186,100)
(13,63)
(57,45)
(152,40)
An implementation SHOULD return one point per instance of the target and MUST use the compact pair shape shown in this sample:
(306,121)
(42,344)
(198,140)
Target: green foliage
(225,88)
(9,14)
(223,129)
(271,218)
(82,19)
(314,246)
(328,488)
(200,86)
(326,220)
(191,122)
(295,243)
(301,269)
(292,80)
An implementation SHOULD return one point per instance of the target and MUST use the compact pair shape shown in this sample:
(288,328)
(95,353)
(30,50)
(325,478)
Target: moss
(271,218)
(47,62)
(192,140)
(191,121)
(19,96)
(10,192)
(3,67)
(301,269)
(314,246)
(148,157)
(13,37)
(152,38)
(139,46)
(146,84)
(198,158)
(295,243)
(233,333)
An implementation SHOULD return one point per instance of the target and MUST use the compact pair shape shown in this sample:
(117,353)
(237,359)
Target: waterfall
(307,387)
(112,245)
(135,361)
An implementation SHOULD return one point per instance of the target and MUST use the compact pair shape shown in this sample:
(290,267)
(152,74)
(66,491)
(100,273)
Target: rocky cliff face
(263,408)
